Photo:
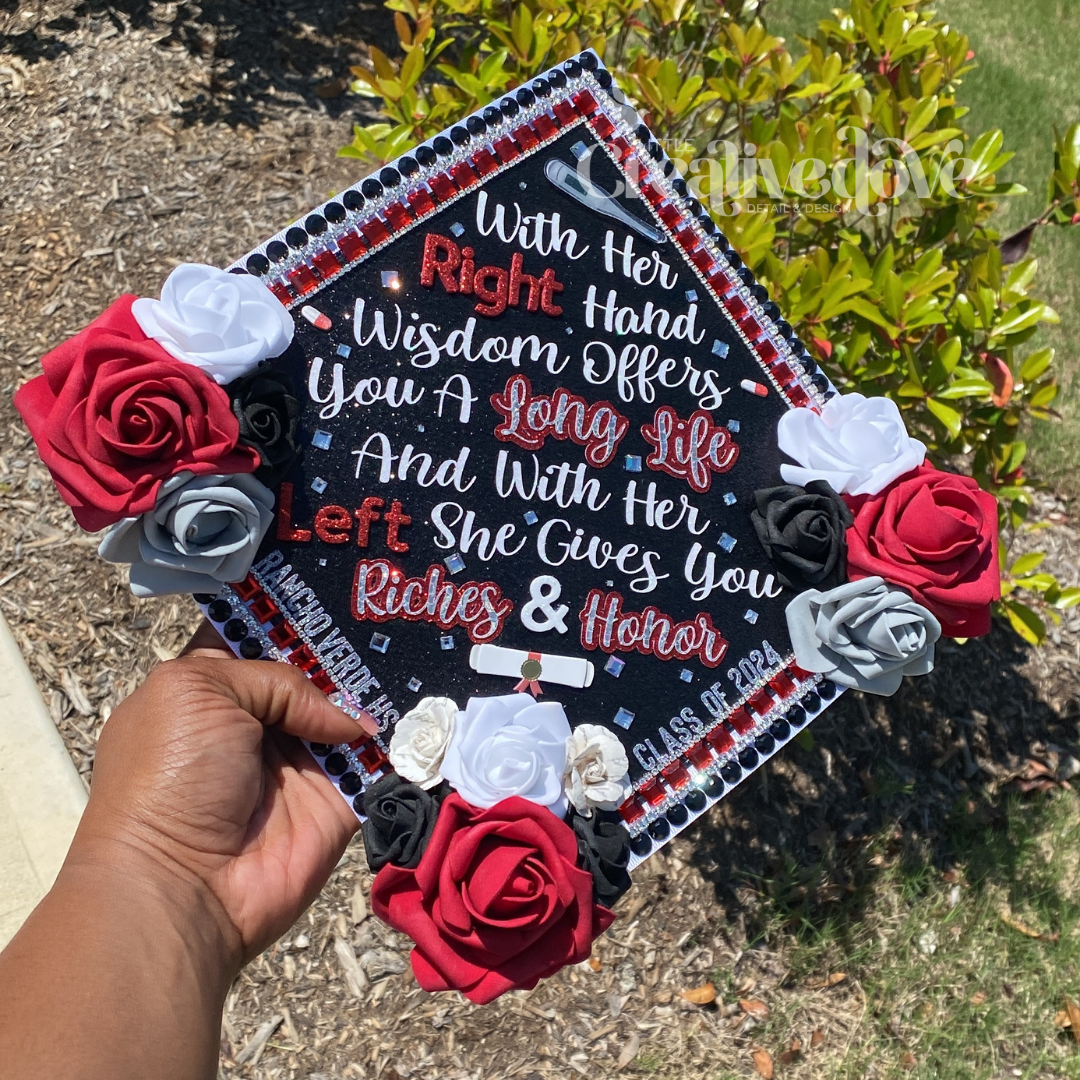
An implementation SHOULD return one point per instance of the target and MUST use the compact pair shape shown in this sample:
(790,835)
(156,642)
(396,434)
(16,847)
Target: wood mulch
(137,135)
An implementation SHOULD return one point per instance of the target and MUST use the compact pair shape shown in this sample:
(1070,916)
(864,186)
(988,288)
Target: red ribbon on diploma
(530,675)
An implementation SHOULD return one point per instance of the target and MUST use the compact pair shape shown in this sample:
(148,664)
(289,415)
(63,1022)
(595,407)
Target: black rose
(803,531)
(400,818)
(603,850)
(268,415)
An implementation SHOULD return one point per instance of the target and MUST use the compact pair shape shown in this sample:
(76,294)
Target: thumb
(281,696)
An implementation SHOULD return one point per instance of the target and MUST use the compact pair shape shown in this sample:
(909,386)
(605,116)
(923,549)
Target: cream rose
(596,769)
(510,745)
(202,533)
(858,444)
(420,739)
(223,323)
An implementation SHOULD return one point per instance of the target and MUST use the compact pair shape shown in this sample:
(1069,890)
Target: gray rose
(203,532)
(866,634)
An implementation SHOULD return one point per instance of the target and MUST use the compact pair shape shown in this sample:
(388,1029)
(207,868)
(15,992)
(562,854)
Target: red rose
(115,414)
(935,534)
(497,901)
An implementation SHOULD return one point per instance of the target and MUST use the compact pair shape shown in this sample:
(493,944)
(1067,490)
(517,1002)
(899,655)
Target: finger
(206,639)
(306,770)
(280,696)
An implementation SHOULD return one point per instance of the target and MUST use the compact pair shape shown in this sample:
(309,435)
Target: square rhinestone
(624,718)
(700,756)
(380,642)
(464,175)
(691,295)
(579,150)
(726,542)
(319,485)
(733,426)
(391,279)
(454,563)
(327,263)
(751,616)
(632,463)
(446,642)
(344,351)
(321,439)
(631,810)
(483,162)
(653,792)
(375,232)
(614,666)
(457,228)
(720,348)
(686,675)
(530,517)
(414,684)
(729,498)
(544,126)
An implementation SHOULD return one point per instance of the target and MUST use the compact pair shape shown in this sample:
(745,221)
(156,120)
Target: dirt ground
(139,135)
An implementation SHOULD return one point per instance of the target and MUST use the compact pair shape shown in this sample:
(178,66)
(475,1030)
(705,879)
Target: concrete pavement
(41,795)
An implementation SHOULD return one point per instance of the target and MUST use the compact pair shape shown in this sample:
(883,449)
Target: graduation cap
(505,472)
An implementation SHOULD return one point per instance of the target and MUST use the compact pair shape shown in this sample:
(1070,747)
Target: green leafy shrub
(901,288)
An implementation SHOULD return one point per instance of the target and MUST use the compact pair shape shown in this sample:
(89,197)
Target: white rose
(596,769)
(420,739)
(203,532)
(223,323)
(507,746)
(858,444)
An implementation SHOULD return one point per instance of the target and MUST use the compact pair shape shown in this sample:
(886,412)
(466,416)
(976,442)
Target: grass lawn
(1025,83)
(962,973)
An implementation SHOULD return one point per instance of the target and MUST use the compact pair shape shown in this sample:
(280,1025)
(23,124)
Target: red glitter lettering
(529,420)
(285,530)
(495,287)
(606,626)
(691,449)
(381,592)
